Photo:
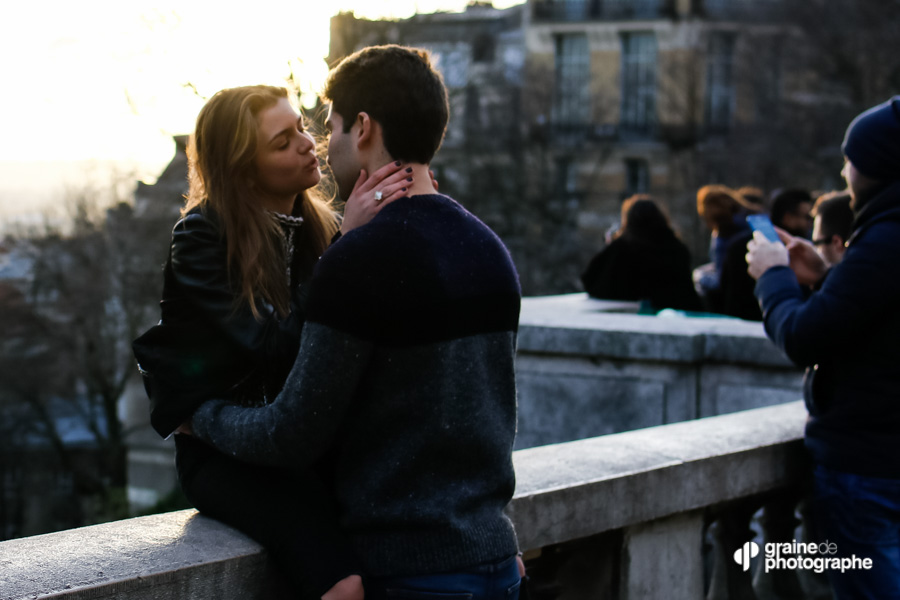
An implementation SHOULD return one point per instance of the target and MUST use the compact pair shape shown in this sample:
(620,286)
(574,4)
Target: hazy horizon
(35,187)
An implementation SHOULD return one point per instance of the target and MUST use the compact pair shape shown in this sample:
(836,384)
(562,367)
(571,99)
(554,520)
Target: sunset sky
(107,81)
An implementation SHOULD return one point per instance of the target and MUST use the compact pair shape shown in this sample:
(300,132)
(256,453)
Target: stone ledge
(575,324)
(174,555)
(565,491)
(574,489)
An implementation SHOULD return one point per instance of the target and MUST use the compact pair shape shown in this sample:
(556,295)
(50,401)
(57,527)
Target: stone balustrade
(620,516)
(589,367)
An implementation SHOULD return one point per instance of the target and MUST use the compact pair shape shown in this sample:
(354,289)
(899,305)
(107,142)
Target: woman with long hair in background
(644,261)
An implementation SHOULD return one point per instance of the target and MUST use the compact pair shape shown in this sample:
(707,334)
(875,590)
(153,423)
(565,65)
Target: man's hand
(371,194)
(185,428)
(806,263)
(762,255)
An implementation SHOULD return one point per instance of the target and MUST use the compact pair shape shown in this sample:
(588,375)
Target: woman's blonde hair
(222,177)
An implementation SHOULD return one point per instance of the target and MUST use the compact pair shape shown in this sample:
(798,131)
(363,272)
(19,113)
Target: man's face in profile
(341,154)
(831,249)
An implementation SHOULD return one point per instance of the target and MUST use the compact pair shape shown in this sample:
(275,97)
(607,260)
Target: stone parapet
(589,367)
(577,325)
(651,486)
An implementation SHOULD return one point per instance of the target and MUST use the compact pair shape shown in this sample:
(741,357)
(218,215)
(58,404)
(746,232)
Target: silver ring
(379,196)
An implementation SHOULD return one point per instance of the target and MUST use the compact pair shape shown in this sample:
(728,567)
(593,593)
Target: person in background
(725,213)
(644,261)
(845,332)
(754,197)
(791,210)
(735,297)
(832,219)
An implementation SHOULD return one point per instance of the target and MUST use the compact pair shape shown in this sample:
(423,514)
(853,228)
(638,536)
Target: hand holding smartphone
(763,224)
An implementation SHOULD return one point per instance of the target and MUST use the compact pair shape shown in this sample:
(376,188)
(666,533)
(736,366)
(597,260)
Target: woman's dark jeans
(292,514)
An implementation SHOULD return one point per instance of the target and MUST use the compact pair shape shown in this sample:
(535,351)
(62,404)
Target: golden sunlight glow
(107,80)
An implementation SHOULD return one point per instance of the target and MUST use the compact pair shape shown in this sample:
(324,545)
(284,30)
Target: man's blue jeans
(861,515)
(496,581)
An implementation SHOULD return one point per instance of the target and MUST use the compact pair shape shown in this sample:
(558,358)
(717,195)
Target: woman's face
(285,160)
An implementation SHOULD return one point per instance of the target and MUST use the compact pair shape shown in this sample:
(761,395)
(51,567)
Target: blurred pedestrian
(846,333)
(644,261)
(832,218)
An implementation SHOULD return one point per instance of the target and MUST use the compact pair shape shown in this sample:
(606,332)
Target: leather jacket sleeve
(200,271)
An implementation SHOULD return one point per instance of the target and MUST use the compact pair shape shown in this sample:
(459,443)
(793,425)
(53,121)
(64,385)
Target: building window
(638,81)
(720,81)
(571,99)
(483,48)
(562,10)
(637,176)
(717,7)
(767,71)
(634,9)
(566,182)
(739,9)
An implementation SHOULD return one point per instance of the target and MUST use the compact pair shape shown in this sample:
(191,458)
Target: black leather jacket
(205,346)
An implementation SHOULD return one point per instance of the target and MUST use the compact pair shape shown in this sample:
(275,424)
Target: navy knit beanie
(872,142)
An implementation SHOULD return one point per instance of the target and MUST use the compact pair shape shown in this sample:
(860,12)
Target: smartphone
(763,224)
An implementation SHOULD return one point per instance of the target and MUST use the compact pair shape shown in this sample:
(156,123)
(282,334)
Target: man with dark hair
(391,88)
(832,218)
(790,211)
(405,375)
(846,333)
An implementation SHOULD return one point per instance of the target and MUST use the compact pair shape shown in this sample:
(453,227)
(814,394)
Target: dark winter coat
(848,334)
(658,270)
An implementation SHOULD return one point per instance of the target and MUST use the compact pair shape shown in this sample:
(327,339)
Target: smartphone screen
(763,224)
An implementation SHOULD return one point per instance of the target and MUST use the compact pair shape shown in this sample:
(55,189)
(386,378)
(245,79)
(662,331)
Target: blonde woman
(232,309)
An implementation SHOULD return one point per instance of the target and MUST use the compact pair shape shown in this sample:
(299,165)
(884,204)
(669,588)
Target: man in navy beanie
(872,142)
(847,335)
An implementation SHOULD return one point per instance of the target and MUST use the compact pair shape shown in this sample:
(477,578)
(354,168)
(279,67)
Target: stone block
(177,556)
(663,559)
(562,398)
(588,367)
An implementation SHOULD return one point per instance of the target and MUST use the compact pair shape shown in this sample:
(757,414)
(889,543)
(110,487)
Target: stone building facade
(563,108)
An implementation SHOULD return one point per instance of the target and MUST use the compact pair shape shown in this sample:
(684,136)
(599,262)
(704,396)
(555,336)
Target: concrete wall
(589,367)
(648,484)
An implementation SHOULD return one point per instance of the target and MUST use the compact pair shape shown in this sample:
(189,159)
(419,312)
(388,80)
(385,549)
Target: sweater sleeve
(200,267)
(300,424)
(852,299)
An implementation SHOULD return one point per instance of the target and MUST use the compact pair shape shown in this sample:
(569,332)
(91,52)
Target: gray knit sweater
(405,377)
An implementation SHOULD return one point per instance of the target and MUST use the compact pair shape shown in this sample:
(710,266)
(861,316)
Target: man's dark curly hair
(399,88)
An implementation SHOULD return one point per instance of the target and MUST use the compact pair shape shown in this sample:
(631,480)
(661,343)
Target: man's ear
(366,130)
(838,242)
